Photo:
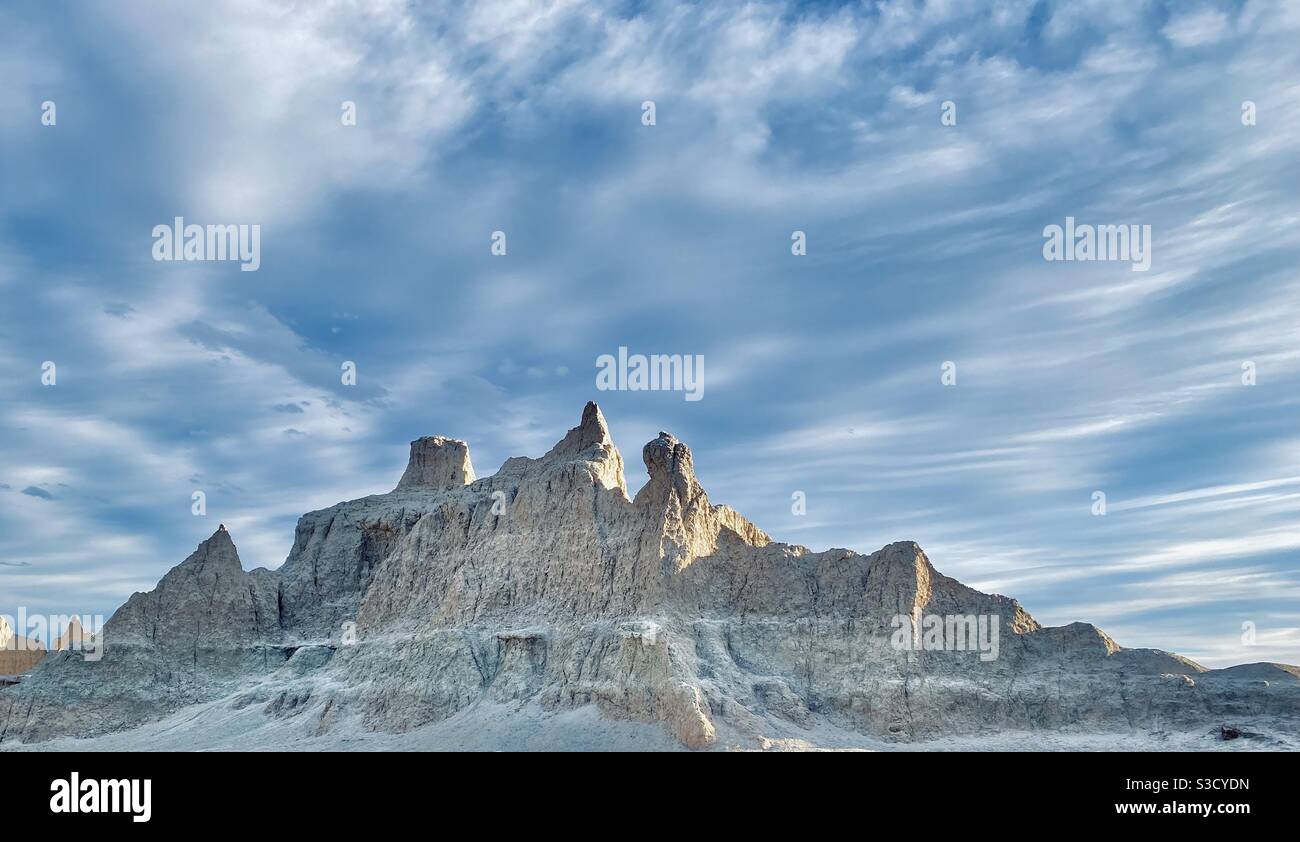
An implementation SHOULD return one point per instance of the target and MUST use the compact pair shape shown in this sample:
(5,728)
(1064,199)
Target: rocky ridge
(545,586)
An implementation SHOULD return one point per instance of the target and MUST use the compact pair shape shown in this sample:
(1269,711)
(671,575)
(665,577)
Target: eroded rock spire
(591,440)
(672,470)
(591,430)
(438,463)
(674,498)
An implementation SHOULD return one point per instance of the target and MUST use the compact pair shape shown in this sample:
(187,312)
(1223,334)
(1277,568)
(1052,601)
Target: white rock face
(546,588)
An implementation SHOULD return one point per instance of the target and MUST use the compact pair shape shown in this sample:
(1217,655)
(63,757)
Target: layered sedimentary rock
(546,585)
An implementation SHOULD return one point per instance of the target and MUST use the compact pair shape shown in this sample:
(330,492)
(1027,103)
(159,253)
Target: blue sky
(822,372)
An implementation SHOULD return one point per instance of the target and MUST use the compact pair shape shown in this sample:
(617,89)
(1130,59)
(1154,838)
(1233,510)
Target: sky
(824,372)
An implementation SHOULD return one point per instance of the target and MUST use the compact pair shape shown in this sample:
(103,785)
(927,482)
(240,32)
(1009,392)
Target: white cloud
(1197,27)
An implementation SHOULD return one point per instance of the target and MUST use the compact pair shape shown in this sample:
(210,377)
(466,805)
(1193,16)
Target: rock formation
(73,637)
(18,654)
(545,586)
(437,462)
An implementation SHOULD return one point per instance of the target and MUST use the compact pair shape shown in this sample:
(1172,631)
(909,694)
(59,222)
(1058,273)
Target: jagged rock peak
(671,466)
(591,440)
(437,462)
(220,540)
(591,430)
(73,635)
(672,496)
(218,549)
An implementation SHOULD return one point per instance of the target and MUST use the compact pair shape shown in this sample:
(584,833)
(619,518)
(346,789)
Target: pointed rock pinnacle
(591,430)
(590,441)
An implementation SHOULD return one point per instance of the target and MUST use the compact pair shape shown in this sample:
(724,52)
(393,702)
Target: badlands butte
(543,607)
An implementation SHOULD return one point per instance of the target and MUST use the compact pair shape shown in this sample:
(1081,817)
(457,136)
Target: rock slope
(545,587)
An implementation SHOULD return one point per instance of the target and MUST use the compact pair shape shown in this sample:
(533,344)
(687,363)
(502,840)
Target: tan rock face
(20,661)
(590,442)
(437,463)
(544,585)
(74,636)
(18,654)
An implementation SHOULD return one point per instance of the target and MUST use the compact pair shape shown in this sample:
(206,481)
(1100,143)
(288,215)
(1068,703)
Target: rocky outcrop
(18,654)
(438,463)
(546,586)
(205,627)
(206,610)
(74,636)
